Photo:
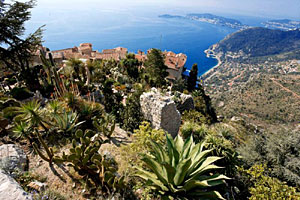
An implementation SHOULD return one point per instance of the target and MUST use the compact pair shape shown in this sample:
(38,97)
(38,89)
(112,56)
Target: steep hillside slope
(258,77)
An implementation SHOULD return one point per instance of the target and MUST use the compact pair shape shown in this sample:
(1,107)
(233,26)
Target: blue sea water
(135,30)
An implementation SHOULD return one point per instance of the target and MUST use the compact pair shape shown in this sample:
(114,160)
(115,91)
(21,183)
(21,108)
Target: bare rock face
(12,158)
(186,103)
(161,111)
(10,189)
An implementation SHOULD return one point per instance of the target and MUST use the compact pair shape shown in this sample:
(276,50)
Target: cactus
(106,125)
(52,75)
(86,160)
(50,157)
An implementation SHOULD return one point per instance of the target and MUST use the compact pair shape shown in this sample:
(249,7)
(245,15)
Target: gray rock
(38,186)
(10,189)
(186,103)
(161,111)
(12,158)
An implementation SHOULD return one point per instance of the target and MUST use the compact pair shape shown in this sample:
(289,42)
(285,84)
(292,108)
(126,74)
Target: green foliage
(267,188)
(80,72)
(195,117)
(20,93)
(223,148)
(49,157)
(21,129)
(141,143)
(193,77)
(259,42)
(131,65)
(216,141)
(105,125)
(86,110)
(203,104)
(156,69)
(66,122)
(18,52)
(8,102)
(179,85)
(280,151)
(131,114)
(94,168)
(112,101)
(31,113)
(181,170)
(192,129)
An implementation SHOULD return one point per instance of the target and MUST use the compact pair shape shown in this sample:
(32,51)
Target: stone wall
(161,111)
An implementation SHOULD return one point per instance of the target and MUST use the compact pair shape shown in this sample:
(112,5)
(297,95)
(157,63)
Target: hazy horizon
(267,8)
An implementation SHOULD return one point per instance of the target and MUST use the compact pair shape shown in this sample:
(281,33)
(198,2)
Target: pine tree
(15,49)
(156,68)
(192,79)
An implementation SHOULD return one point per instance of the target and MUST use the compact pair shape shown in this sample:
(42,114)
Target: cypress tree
(192,79)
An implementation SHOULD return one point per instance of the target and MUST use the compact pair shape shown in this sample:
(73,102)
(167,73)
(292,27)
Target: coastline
(210,53)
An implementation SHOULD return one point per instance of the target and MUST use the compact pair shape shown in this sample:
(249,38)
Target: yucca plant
(181,170)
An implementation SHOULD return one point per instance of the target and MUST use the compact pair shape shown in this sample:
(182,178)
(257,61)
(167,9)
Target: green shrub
(181,170)
(132,114)
(280,151)
(20,93)
(195,116)
(267,188)
(192,129)
(95,169)
(131,153)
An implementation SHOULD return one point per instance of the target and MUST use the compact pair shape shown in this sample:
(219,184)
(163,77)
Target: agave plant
(66,122)
(181,170)
(21,129)
(32,114)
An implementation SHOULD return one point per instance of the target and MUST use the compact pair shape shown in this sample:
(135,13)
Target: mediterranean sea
(134,29)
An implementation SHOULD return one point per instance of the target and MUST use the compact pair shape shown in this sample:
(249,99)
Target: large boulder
(12,158)
(161,111)
(10,189)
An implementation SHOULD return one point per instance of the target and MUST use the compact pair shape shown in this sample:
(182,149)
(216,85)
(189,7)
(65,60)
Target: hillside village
(84,52)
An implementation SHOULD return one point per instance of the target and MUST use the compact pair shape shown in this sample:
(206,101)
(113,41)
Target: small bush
(20,93)
(198,132)
(264,187)
(195,116)
(140,144)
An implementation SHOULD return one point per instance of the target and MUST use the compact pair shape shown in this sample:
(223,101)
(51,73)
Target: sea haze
(135,30)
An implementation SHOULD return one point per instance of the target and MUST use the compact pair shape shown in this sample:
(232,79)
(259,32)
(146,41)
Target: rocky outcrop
(12,158)
(10,189)
(186,102)
(161,111)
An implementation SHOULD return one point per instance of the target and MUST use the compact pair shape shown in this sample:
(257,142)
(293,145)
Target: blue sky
(264,8)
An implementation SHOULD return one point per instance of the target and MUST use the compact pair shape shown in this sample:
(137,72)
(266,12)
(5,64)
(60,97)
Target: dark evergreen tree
(132,114)
(192,79)
(155,68)
(131,66)
(15,49)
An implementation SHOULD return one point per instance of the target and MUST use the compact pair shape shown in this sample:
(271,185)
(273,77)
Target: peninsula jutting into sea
(281,24)
(210,18)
